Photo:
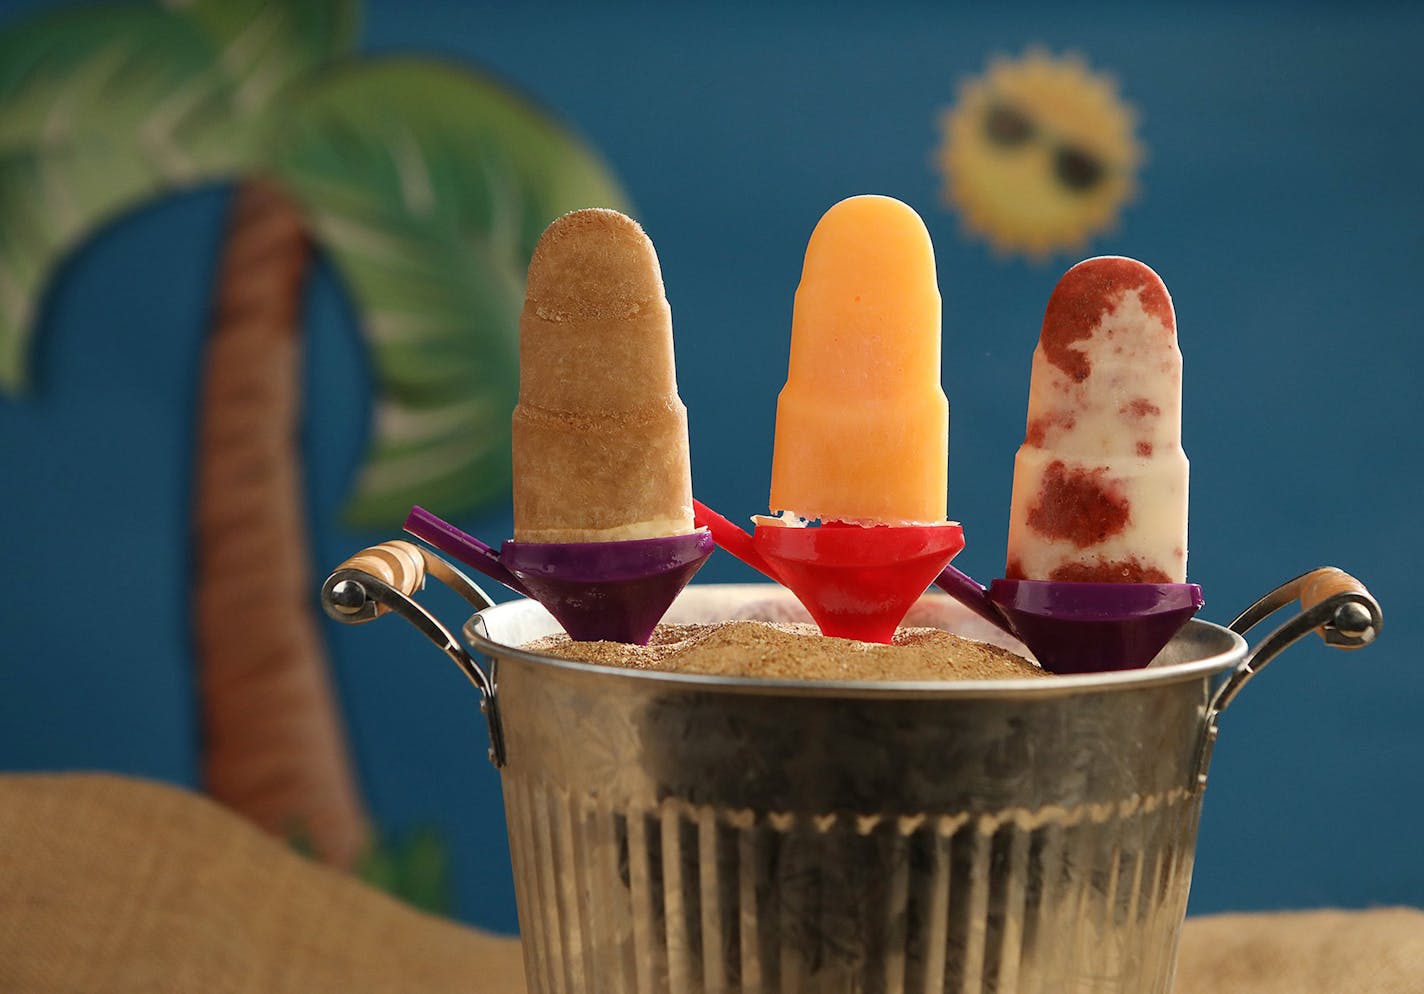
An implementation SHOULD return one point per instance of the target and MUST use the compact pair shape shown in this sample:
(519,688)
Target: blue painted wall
(1281,202)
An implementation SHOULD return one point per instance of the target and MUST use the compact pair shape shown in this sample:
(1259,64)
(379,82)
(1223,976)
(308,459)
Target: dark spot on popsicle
(1079,506)
(1140,407)
(1037,430)
(1129,570)
(1084,295)
(1144,449)
(1014,570)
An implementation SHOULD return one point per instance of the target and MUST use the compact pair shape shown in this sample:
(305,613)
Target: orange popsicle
(862,425)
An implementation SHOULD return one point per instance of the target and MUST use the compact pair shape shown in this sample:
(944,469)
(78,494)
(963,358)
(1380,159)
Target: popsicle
(862,425)
(862,429)
(1100,482)
(600,434)
(603,531)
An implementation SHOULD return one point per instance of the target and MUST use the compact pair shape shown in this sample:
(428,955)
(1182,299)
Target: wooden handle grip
(1325,583)
(398,563)
(1354,624)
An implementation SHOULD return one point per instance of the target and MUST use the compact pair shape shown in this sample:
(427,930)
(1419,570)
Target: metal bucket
(678,833)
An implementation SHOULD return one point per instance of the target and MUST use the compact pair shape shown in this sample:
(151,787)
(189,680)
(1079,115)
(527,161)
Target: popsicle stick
(463,546)
(972,595)
(730,538)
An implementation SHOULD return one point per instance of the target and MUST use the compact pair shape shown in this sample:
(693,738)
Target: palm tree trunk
(274,746)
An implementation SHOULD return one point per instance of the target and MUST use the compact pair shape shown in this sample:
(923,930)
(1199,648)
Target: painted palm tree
(425,184)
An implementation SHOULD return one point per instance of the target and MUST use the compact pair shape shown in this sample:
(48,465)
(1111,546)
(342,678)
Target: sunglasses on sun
(1008,127)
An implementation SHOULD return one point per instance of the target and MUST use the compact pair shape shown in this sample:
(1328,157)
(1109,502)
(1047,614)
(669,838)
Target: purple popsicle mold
(598,591)
(1081,627)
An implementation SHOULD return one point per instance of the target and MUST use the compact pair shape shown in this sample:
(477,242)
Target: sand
(793,651)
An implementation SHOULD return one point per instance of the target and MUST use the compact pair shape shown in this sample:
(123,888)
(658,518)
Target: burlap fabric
(116,886)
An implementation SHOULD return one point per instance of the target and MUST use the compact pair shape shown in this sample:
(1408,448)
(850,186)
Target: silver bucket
(679,833)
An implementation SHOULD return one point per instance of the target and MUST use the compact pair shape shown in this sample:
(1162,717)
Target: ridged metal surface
(680,833)
(674,835)
(681,899)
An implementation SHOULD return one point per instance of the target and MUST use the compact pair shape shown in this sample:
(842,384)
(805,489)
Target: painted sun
(1038,154)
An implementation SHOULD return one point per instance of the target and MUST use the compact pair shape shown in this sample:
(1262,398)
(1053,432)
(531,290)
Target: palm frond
(267,46)
(100,109)
(429,186)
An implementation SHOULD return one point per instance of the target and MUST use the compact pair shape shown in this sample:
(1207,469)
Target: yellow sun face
(1038,154)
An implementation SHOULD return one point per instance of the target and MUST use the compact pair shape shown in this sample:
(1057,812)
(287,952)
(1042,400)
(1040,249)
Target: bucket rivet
(348,597)
(1353,620)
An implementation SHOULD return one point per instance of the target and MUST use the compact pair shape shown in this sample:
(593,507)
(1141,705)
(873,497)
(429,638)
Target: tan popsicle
(600,434)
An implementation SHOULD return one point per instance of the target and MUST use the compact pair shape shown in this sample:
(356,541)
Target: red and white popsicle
(1100,482)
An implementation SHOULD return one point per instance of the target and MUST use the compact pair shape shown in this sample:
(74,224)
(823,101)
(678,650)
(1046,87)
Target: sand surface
(792,651)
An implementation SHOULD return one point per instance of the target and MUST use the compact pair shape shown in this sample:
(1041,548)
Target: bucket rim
(476,635)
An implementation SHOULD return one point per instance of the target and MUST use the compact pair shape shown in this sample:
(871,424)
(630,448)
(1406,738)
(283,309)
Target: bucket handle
(384,578)
(1332,603)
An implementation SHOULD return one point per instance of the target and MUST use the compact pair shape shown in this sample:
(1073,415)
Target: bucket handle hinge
(1332,603)
(384,578)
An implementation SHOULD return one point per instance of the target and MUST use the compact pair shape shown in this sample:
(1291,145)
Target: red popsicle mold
(857,582)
